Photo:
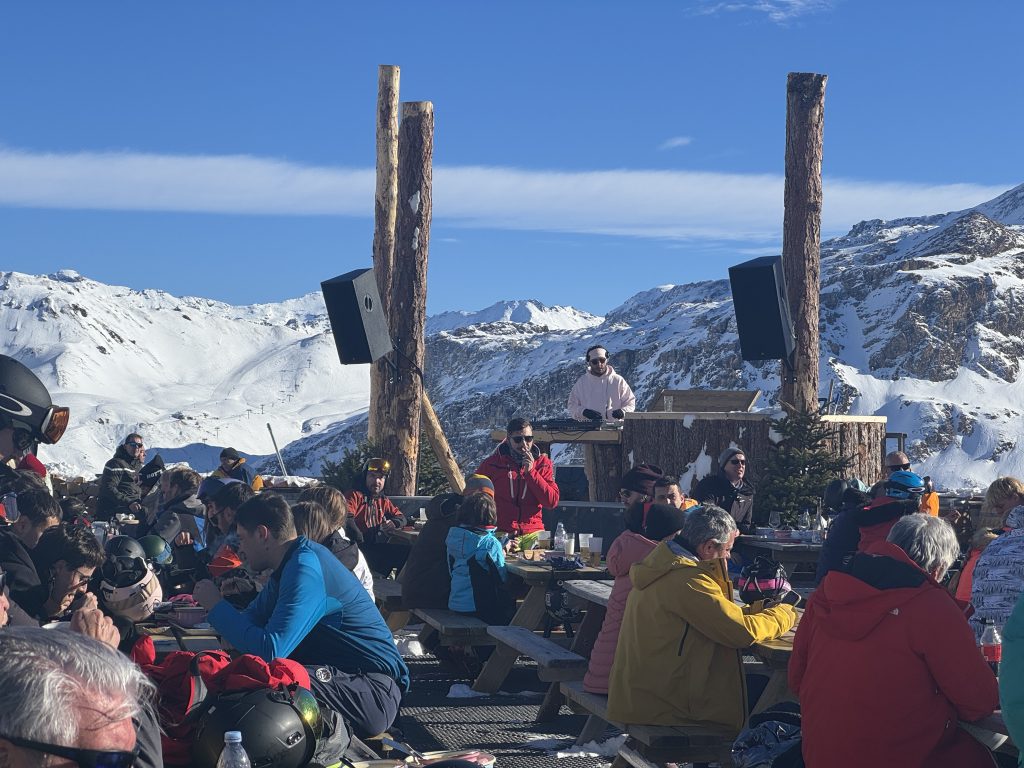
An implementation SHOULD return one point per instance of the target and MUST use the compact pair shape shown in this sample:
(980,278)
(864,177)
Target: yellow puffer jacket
(678,658)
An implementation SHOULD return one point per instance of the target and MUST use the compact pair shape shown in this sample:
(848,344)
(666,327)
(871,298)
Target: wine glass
(774,521)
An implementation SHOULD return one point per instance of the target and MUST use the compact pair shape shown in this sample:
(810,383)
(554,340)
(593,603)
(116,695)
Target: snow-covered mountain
(921,322)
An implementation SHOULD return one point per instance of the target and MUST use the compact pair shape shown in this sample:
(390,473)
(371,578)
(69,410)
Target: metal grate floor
(502,724)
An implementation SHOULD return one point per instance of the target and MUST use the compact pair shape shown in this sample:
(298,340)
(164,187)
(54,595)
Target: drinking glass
(774,520)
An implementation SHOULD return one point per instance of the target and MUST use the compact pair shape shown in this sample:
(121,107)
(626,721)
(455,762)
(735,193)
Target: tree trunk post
(439,444)
(801,233)
(407,308)
(384,213)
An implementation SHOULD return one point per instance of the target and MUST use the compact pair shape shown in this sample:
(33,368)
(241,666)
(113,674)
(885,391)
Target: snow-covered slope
(922,321)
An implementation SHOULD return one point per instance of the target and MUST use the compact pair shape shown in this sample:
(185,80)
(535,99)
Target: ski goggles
(84,758)
(382,466)
(53,420)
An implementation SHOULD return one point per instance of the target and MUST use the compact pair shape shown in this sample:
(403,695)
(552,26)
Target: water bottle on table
(233,755)
(558,542)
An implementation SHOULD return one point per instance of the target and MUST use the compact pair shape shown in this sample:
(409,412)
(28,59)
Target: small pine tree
(430,480)
(798,467)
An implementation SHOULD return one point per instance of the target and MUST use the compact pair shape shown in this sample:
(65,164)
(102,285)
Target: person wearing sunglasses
(600,393)
(27,415)
(120,486)
(524,481)
(729,488)
(374,515)
(69,698)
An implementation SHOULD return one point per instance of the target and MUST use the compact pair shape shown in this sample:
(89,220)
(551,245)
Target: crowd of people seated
(885,660)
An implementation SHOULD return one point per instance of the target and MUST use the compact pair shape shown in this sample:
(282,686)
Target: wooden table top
(540,572)
(403,535)
(778,545)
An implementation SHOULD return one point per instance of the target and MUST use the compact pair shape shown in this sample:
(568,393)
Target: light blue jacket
(462,544)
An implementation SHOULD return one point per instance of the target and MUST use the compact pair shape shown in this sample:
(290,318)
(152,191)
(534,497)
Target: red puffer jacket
(629,548)
(885,664)
(520,495)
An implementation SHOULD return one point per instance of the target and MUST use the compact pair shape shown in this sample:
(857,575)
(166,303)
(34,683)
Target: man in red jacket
(524,481)
(884,662)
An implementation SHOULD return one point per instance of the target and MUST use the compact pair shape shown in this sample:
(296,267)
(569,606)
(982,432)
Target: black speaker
(357,319)
(762,310)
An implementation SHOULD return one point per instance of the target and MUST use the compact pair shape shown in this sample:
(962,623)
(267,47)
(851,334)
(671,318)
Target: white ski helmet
(137,601)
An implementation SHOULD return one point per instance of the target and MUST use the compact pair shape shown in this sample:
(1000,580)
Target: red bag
(185,679)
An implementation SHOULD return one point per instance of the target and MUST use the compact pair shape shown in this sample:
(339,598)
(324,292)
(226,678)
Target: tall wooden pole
(385,209)
(801,232)
(408,306)
(439,444)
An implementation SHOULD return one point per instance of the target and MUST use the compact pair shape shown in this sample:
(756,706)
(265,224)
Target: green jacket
(678,658)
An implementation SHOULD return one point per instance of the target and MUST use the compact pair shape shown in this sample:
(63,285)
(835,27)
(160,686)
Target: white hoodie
(603,394)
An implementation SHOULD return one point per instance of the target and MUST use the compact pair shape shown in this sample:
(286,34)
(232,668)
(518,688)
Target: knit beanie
(728,453)
(479,484)
(663,520)
(641,478)
(230,453)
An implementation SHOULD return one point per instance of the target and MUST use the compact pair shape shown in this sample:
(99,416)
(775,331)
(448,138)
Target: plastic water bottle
(817,530)
(558,542)
(233,754)
(991,645)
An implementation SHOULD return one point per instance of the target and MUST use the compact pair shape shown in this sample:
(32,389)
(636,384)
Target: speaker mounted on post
(761,305)
(358,323)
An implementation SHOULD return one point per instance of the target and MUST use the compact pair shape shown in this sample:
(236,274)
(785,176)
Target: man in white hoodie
(600,393)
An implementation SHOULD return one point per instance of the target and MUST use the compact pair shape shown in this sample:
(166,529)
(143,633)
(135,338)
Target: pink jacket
(628,549)
(603,394)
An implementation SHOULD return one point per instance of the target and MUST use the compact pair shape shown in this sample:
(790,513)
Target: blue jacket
(462,544)
(314,611)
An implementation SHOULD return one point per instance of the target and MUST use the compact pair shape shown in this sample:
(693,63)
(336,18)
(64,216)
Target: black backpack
(494,603)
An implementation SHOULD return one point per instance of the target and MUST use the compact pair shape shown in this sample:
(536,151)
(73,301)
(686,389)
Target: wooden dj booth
(686,430)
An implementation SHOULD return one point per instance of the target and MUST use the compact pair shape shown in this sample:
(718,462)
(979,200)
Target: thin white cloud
(779,11)
(681,205)
(676,142)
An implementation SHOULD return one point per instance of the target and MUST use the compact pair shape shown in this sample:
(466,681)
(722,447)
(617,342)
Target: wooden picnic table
(403,535)
(537,576)
(780,550)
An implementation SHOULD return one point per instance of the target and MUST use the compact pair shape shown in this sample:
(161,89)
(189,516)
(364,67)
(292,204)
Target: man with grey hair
(884,660)
(678,655)
(68,696)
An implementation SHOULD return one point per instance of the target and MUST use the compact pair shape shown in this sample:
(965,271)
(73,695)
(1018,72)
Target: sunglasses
(594,360)
(84,758)
(895,467)
(521,438)
(625,493)
(738,461)
(52,426)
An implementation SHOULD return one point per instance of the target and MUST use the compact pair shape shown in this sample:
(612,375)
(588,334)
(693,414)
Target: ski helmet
(135,602)
(157,550)
(126,562)
(903,484)
(279,727)
(25,404)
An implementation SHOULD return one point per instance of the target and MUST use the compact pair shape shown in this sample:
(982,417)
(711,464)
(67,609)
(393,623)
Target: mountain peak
(521,312)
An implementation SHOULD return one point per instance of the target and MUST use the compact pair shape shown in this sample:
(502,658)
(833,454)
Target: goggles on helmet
(383,466)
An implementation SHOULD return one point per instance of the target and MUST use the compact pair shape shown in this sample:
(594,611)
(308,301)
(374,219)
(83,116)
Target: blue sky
(584,150)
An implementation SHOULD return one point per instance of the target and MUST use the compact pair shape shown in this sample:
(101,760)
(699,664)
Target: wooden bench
(453,628)
(650,745)
(387,594)
(553,661)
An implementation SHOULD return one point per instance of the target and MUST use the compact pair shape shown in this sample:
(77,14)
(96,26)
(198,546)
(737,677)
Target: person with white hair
(678,657)
(885,663)
(67,696)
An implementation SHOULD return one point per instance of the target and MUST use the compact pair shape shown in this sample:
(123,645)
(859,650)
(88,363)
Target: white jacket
(603,394)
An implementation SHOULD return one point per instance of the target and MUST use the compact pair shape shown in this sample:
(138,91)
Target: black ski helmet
(126,562)
(25,404)
(279,728)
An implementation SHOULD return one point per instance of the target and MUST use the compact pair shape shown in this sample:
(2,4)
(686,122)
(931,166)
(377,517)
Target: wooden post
(386,205)
(801,233)
(408,306)
(439,444)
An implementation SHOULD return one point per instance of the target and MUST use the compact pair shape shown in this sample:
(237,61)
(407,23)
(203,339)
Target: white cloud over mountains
(685,205)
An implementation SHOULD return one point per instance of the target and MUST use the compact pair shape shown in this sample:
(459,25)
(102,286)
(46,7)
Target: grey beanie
(727,454)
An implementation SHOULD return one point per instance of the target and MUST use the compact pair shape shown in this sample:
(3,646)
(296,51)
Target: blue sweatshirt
(462,544)
(313,610)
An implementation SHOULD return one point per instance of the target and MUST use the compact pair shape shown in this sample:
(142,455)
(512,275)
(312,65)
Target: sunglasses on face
(895,467)
(134,445)
(84,758)
(597,360)
(521,438)
(741,462)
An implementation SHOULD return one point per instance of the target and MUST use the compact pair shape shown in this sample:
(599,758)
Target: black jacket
(24,588)
(739,502)
(119,486)
(426,580)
